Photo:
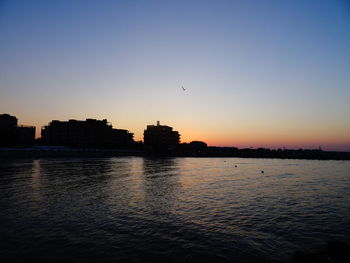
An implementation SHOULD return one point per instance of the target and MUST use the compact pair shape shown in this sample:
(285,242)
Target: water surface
(179,209)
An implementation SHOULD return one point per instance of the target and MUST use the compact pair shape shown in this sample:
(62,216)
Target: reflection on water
(181,209)
(36,177)
(161,186)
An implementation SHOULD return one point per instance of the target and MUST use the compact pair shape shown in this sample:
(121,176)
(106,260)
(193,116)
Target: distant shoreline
(212,152)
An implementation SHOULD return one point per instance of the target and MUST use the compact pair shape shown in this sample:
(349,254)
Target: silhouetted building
(194,148)
(8,126)
(25,135)
(160,138)
(90,133)
(198,145)
(13,135)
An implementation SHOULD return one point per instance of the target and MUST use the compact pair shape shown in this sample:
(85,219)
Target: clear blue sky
(257,73)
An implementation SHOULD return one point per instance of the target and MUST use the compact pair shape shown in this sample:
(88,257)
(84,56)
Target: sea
(139,209)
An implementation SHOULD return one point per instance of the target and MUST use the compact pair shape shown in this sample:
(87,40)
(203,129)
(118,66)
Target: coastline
(216,152)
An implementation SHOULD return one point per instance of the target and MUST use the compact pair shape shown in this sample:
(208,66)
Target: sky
(257,73)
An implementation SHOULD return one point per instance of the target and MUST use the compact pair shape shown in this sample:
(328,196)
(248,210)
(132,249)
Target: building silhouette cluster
(90,133)
(160,139)
(97,135)
(11,134)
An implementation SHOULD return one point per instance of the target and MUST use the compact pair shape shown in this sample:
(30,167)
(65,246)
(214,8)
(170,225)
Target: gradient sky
(257,73)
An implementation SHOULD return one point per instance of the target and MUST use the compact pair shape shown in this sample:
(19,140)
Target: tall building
(25,135)
(160,138)
(90,133)
(13,135)
(8,126)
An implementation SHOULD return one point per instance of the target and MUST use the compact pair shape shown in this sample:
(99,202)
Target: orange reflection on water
(36,180)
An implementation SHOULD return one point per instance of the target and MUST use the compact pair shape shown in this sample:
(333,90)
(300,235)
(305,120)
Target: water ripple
(177,209)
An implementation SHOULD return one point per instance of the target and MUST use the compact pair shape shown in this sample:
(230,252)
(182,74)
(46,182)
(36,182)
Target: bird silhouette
(183,88)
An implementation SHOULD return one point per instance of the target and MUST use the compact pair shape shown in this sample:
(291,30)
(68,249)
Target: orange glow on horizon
(242,137)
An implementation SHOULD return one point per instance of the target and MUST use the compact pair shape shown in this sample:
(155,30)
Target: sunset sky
(257,73)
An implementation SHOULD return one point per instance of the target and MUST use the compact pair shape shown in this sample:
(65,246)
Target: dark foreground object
(335,252)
